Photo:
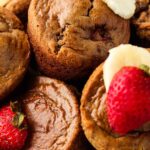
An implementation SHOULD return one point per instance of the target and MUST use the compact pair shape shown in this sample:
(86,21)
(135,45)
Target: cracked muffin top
(53,115)
(14,52)
(16,6)
(141,20)
(70,38)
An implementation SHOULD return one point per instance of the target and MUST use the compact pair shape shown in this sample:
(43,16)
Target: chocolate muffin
(70,38)
(14,52)
(95,121)
(141,20)
(53,115)
(16,6)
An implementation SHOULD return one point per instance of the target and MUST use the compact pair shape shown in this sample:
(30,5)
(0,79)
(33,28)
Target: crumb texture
(16,6)
(141,20)
(52,114)
(72,37)
(14,52)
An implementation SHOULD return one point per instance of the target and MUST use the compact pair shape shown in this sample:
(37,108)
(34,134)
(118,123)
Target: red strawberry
(128,100)
(12,131)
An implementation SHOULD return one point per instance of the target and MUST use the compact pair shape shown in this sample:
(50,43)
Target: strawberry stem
(19,117)
(15,106)
(145,68)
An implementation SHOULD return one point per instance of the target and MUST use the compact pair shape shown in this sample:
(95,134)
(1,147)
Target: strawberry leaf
(145,68)
(18,120)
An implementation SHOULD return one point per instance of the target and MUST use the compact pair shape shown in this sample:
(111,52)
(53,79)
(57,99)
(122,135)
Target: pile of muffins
(48,50)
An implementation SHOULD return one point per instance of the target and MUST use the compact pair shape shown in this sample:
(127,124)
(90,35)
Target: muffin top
(52,113)
(14,52)
(95,112)
(95,121)
(79,20)
(74,36)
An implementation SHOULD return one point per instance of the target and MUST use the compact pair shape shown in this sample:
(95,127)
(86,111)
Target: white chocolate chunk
(123,8)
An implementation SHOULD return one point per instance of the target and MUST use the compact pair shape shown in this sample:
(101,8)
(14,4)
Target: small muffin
(141,20)
(70,38)
(52,114)
(114,111)
(14,52)
(16,6)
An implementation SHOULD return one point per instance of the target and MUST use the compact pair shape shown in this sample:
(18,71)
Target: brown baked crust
(16,6)
(141,5)
(70,38)
(141,20)
(53,115)
(14,52)
(97,136)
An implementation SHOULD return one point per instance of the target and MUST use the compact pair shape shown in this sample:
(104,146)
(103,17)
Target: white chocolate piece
(123,8)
